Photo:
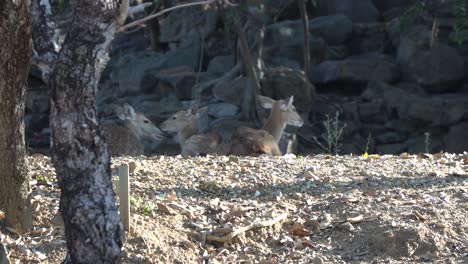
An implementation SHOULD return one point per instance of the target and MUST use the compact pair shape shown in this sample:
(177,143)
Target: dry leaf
(2,215)
(298,229)
(355,220)
(307,243)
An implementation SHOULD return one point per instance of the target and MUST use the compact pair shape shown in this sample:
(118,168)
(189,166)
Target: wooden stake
(124,196)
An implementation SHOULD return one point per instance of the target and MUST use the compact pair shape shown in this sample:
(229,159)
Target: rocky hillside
(395,72)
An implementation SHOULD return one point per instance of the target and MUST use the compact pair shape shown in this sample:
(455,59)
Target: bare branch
(138,8)
(140,21)
(123,12)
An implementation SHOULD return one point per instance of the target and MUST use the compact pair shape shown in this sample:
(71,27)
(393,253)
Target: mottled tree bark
(92,225)
(15,54)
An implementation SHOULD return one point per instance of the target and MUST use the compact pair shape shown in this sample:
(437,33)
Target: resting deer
(240,141)
(184,123)
(132,134)
(249,141)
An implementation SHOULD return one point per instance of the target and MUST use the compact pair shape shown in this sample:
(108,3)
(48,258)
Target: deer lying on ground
(184,123)
(132,134)
(241,140)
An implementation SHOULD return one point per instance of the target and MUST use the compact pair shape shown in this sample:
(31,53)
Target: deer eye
(174,118)
(146,121)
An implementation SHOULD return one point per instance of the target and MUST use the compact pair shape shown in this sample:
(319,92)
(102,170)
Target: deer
(132,134)
(241,140)
(250,141)
(184,124)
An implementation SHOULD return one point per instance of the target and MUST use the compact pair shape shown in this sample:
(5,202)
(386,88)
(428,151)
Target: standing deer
(236,140)
(133,134)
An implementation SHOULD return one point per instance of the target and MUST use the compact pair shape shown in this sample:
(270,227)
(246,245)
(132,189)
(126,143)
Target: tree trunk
(15,54)
(92,225)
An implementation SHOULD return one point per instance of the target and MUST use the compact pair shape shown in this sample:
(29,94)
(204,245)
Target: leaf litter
(314,209)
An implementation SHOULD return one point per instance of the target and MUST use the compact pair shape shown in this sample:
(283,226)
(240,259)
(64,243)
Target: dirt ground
(290,209)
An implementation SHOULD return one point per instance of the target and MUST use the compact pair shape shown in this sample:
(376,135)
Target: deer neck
(187,132)
(274,125)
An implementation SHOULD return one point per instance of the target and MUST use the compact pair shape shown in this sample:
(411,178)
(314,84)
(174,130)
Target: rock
(220,110)
(436,68)
(361,68)
(128,71)
(221,64)
(229,91)
(419,144)
(283,45)
(385,5)
(37,102)
(186,24)
(357,10)
(394,149)
(369,37)
(456,139)
(189,57)
(418,110)
(339,52)
(390,137)
(372,111)
(283,82)
(334,29)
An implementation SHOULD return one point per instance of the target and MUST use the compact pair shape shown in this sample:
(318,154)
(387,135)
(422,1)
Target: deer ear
(192,111)
(128,112)
(266,102)
(291,100)
(201,111)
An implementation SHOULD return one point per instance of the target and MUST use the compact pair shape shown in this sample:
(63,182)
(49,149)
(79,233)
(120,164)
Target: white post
(124,196)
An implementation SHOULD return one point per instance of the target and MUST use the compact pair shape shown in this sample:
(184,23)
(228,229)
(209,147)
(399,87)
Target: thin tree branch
(305,21)
(123,12)
(140,21)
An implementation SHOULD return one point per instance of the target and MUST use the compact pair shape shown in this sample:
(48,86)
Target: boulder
(394,149)
(357,10)
(369,37)
(389,137)
(283,45)
(221,64)
(436,68)
(419,144)
(456,138)
(418,110)
(385,5)
(229,91)
(281,82)
(186,24)
(361,68)
(334,29)
(126,72)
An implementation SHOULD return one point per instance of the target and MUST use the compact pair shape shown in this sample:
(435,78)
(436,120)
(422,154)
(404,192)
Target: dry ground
(317,209)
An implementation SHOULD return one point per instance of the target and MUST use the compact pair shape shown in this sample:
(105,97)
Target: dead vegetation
(318,209)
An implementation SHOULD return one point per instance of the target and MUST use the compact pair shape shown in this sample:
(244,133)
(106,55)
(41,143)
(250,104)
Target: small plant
(410,15)
(427,142)
(460,24)
(369,138)
(145,209)
(332,134)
